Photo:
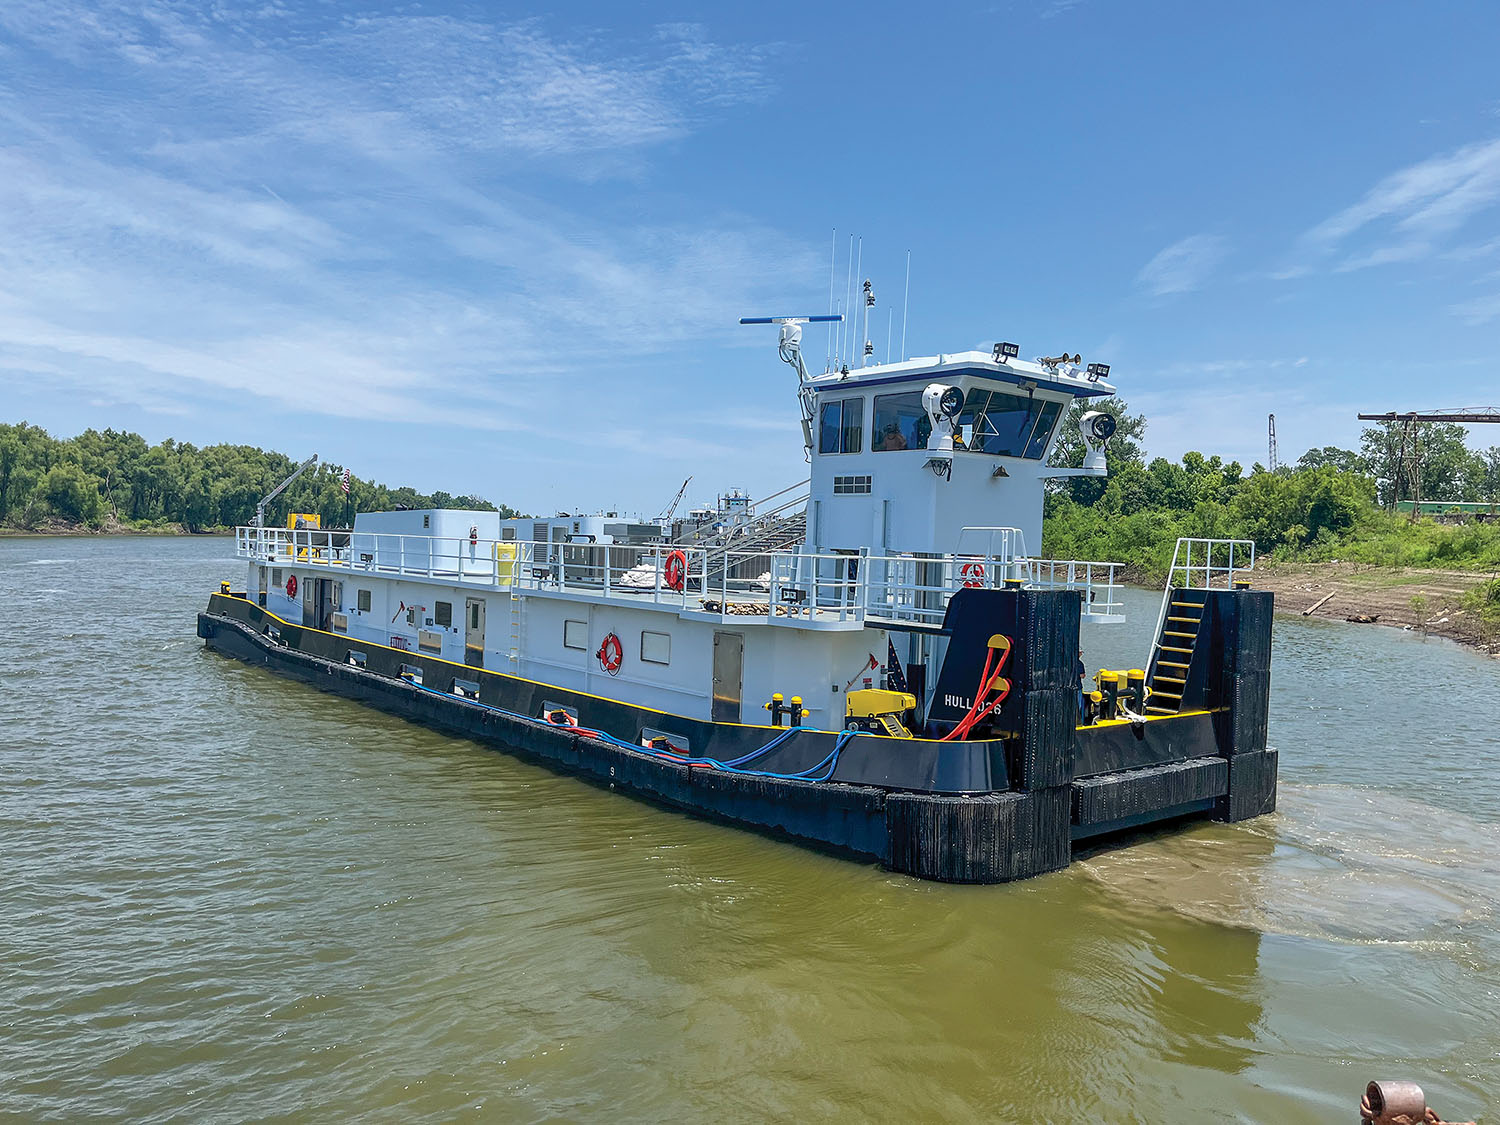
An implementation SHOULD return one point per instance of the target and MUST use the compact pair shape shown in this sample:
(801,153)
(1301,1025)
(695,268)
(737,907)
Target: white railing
(1208,564)
(792,587)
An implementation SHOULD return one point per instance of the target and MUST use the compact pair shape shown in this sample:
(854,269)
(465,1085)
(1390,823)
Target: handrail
(1182,562)
(790,586)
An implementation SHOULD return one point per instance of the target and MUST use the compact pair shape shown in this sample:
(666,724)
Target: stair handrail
(1183,562)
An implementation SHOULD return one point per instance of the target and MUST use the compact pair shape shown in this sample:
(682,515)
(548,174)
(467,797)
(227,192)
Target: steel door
(729,675)
(474,632)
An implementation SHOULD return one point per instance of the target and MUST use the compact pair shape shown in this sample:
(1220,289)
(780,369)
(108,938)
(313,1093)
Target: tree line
(1333,503)
(113,479)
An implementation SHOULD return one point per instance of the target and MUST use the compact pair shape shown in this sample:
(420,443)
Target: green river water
(227,897)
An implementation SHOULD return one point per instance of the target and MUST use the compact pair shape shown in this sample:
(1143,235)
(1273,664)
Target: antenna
(1271,431)
(848,293)
(869,348)
(833,251)
(905,305)
(859,265)
(790,347)
(890,316)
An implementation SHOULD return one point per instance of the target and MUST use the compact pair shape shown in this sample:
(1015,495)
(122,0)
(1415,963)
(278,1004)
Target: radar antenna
(790,348)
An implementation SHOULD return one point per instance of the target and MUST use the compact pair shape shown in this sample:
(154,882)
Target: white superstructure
(926,476)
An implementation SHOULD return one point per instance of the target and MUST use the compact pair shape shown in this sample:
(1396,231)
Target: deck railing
(792,587)
(1205,564)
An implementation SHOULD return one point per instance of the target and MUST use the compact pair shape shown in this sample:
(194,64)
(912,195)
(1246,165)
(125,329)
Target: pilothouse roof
(1062,377)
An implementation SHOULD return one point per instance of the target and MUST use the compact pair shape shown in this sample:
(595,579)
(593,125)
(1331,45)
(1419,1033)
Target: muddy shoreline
(1426,600)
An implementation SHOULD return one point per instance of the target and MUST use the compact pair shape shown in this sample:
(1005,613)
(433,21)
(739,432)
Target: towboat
(876,664)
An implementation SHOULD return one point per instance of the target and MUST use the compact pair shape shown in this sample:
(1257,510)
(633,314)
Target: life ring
(291,586)
(973,575)
(676,570)
(611,654)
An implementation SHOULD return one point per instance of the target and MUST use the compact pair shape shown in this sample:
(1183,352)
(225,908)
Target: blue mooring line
(831,761)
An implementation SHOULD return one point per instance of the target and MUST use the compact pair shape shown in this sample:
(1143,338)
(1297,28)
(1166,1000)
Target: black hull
(902,812)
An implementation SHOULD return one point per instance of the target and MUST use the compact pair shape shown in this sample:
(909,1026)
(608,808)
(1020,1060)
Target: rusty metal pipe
(1391,1102)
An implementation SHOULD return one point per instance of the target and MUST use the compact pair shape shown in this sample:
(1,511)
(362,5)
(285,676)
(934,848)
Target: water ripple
(230,896)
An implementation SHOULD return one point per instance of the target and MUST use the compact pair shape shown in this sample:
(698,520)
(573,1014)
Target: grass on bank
(1313,515)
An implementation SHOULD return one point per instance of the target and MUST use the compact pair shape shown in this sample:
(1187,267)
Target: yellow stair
(1174,653)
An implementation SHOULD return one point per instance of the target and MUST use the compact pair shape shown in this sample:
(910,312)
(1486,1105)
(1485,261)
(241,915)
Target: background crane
(1408,459)
(1271,430)
(671,509)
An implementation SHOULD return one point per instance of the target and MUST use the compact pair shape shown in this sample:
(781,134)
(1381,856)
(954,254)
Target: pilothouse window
(841,426)
(1008,425)
(900,422)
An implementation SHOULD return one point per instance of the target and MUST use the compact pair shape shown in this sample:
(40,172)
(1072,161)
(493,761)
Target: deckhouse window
(576,634)
(363,601)
(442,613)
(841,426)
(900,422)
(656,648)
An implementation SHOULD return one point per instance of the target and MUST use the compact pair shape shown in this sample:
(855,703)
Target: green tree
(70,493)
(1344,460)
(1432,456)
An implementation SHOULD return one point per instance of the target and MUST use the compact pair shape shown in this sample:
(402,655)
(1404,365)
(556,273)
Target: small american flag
(344,482)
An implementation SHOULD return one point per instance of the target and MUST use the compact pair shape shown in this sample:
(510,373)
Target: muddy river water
(227,896)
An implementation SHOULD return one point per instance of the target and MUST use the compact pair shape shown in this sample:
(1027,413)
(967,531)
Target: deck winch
(891,713)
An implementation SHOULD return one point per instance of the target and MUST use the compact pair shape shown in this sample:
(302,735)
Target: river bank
(108,526)
(1401,597)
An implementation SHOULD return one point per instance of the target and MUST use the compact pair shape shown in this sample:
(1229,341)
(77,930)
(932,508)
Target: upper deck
(798,589)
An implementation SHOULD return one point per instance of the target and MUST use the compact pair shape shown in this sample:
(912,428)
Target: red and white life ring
(973,575)
(611,654)
(291,586)
(675,571)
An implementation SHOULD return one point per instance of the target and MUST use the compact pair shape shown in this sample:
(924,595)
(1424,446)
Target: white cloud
(319,217)
(1184,265)
(1408,213)
(1480,310)
(1055,8)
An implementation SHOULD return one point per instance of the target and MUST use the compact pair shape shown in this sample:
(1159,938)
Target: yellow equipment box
(872,701)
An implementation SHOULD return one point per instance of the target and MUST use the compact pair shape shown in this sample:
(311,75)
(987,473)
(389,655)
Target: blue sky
(478,247)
